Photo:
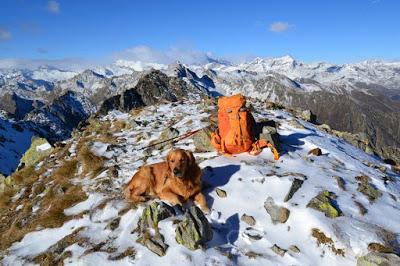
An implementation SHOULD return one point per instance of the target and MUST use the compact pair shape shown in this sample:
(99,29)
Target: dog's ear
(191,159)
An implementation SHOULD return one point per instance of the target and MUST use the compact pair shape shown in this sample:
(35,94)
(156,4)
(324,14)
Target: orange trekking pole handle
(274,151)
(258,145)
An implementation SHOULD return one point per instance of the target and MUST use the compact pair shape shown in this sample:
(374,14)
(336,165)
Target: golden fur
(176,180)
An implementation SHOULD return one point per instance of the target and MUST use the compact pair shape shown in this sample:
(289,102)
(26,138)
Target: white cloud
(76,64)
(149,55)
(279,26)
(4,34)
(141,53)
(53,7)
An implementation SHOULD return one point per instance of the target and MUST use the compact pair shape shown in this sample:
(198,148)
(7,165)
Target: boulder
(324,202)
(306,115)
(202,141)
(378,259)
(153,214)
(147,228)
(278,214)
(193,231)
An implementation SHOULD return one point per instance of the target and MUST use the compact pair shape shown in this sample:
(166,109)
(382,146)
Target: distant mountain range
(362,98)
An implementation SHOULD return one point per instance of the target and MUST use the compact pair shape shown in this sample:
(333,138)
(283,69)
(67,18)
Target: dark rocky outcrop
(152,88)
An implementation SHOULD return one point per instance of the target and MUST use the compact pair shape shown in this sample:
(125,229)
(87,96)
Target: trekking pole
(173,140)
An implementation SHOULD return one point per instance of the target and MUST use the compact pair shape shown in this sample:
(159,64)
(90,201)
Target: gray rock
(202,141)
(294,249)
(306,115)
(221,193)
(148,223)
(323,202)
(296,185)
(378,259)
(248,219)
(154,243)
(153,214)
(368,189)
(340,183)
(193,231)
(278,250)
(278,214)
(271,135)
(166,137)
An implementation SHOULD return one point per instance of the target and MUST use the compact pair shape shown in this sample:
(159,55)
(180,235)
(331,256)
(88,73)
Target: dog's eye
(172,161)
(181,160)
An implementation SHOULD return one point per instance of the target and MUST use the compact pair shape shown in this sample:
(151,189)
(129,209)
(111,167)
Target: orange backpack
(236,128)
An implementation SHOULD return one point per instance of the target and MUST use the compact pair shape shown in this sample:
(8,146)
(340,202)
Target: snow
(43,147)
(248,181)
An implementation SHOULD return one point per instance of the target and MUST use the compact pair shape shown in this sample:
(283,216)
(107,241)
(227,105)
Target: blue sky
(336,31)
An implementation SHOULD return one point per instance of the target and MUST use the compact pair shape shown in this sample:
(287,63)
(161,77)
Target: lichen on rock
(324,202)
(194,230)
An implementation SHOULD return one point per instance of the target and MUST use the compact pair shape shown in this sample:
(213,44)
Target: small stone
(294,123)
(294,249)
(221,193)
(278,250)
(376,247)
(396,169)
(361,208)
(316,152)
(340,182)
(253,234)
(277,213)
(325,128)
(248,219)
(296,185)
(114,224)
(252,255)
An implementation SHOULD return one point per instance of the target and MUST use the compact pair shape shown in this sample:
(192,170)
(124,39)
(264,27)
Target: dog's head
(179,162)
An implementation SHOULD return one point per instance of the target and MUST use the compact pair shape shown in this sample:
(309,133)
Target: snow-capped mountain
(362,98)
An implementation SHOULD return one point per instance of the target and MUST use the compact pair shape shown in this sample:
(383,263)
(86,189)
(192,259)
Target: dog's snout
(176,171)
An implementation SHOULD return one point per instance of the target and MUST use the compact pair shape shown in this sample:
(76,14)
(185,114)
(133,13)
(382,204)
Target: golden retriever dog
(175,180)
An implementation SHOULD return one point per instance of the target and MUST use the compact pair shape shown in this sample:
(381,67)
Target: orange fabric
(235,128)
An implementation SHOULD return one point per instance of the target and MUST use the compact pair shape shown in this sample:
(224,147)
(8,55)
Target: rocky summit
(66,206)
